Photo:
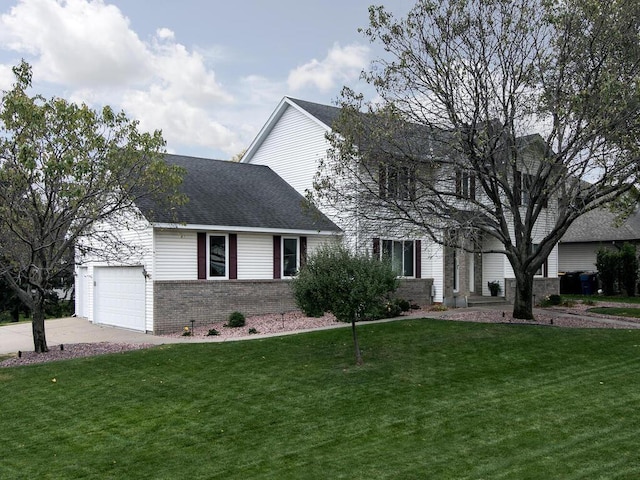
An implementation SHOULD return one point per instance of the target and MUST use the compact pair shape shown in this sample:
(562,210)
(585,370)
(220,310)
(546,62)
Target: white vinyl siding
(293,149)
(176,255)
(314,242)
(255,257)
(433,267)
(495,267)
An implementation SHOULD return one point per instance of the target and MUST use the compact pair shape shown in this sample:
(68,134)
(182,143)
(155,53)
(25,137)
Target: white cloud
(165,34)
(89,48)
(7,78)
(76,42)
(340,65)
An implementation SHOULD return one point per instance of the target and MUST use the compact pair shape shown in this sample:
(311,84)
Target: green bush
(6,317)
(628,275)
(348,285)
(555,299)
(236,319)
(405,305)
(618,270)
(213,332)
(607,263)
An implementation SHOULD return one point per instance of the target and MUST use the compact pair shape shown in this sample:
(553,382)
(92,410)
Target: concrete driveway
(18,336)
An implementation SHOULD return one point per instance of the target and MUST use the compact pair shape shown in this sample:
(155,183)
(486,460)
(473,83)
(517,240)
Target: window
(217,256)
(289,257)
(465,184)
(397,182)
(523,187)
(542,271)
(401,255)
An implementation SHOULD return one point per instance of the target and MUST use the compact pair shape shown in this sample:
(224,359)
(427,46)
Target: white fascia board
(224,228)
(265,130)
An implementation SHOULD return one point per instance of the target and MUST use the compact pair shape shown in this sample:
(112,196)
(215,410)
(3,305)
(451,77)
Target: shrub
(236,319)
(555,299)
(213,332)
(348,285)
(6,317)
(405,305)
(618,270)
(253,330)
(628,275)
(607,263)
(186,332)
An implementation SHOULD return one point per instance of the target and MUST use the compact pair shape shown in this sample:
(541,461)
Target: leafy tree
(68,172)
(347,285)
(442,150)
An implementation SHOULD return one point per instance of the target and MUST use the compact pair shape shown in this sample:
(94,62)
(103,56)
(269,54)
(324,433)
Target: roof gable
(230,194)
(323,115)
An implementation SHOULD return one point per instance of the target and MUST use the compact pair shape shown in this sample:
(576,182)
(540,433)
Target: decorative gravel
(71,350)
(568,317)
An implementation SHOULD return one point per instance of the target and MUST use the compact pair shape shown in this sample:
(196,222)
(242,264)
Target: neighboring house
(231,247)
(589,233)
(293,142)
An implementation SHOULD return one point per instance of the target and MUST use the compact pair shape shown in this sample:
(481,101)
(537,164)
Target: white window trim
(226,256)
(297,239)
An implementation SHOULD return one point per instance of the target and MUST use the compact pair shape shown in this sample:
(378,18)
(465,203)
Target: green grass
(435,399)
(617,311)
(602,298)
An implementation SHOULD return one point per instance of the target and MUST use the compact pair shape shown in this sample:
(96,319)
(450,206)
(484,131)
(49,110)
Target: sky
(208,73)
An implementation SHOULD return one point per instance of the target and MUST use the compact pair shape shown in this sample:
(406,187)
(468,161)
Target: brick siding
(176,303)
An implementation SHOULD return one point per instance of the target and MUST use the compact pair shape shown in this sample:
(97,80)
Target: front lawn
(435,399)
(617,311)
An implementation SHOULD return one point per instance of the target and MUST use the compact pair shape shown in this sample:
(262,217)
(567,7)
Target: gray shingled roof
(223,193)
(325,113)
(599,226)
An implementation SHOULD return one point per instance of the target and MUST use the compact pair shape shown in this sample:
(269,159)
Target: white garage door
(119,297)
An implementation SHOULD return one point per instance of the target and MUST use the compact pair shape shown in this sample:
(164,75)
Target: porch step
(477,301)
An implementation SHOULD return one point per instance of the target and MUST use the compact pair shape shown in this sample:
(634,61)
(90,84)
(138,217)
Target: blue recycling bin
(588,282)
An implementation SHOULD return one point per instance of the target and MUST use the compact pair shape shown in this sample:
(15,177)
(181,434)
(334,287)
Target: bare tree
(446,147)
(68,172)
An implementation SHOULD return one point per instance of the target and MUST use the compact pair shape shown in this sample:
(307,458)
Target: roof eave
(235,228)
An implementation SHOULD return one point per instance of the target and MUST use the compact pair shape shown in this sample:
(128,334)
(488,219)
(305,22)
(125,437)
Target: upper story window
(218,256)
(466,184)
(397,182)
(524,183)
(401,255)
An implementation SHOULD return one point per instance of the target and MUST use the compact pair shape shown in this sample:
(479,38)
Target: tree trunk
(356,345)
(523,302)
(37,324)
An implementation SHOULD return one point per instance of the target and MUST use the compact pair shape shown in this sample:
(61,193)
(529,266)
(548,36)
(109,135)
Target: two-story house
(293,142)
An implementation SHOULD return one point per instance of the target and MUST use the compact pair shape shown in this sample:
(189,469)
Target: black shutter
(202,255)
(233,256)
(277,258)
(418,255)
(303,251)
